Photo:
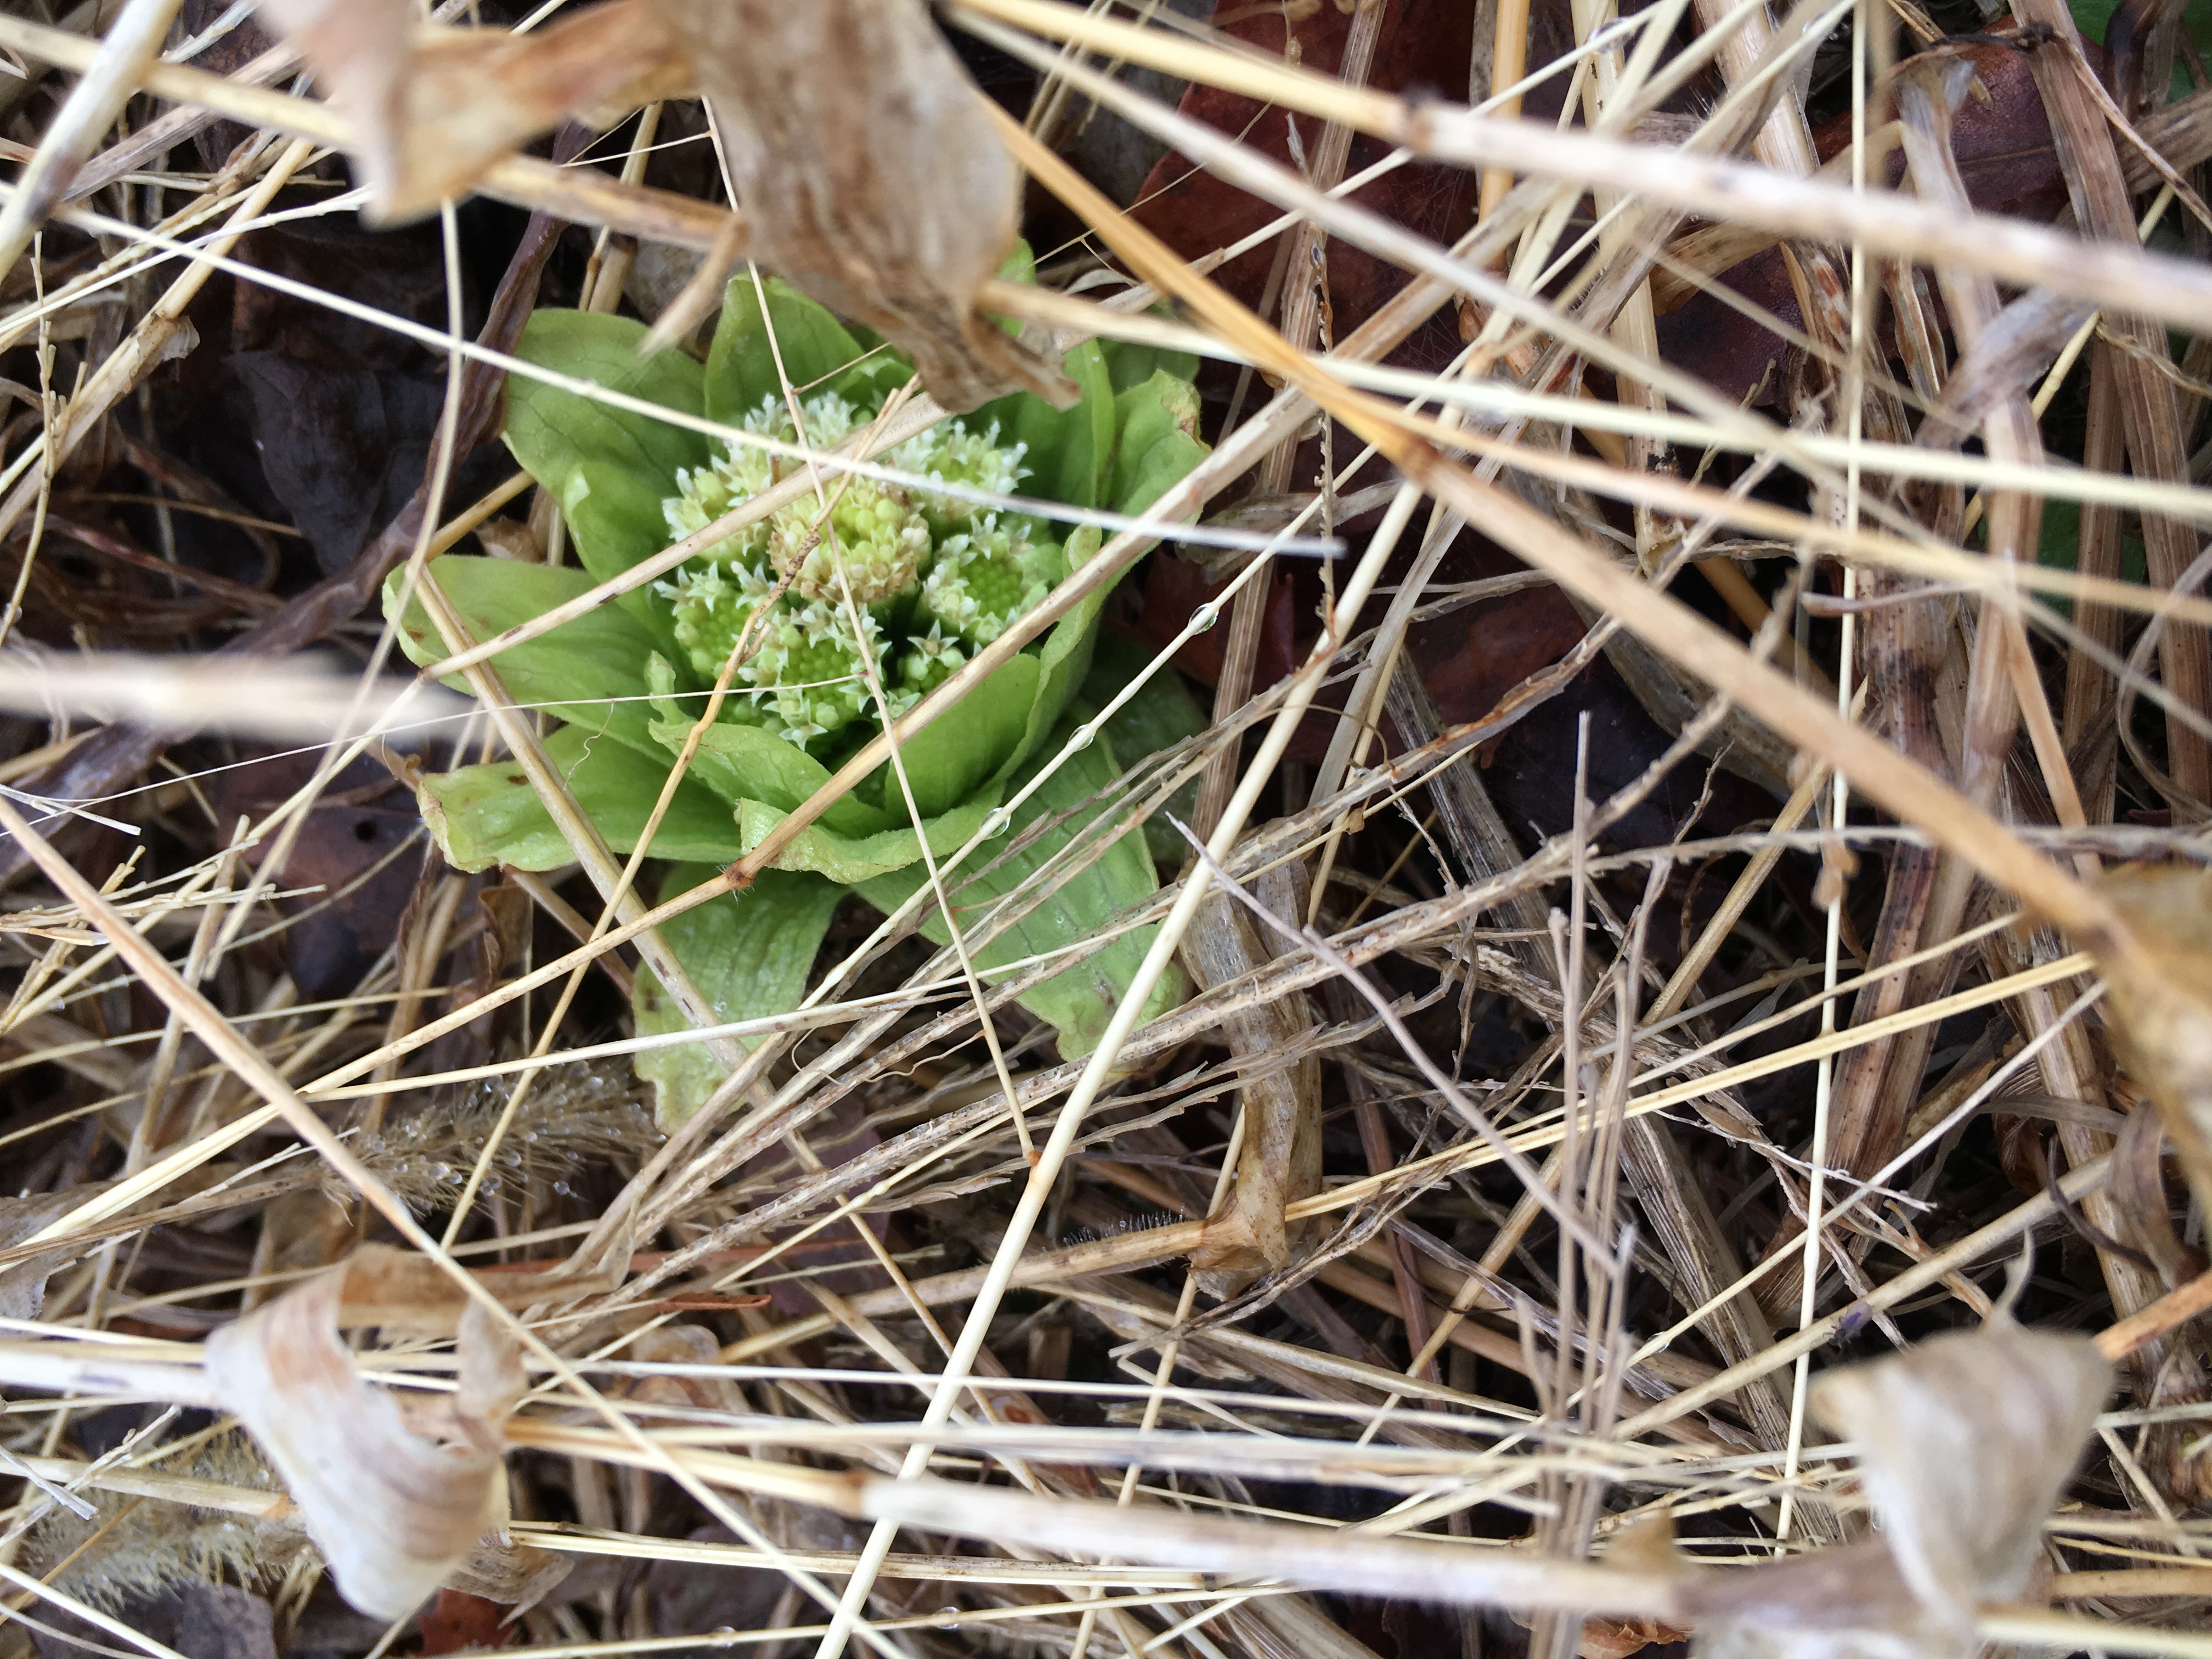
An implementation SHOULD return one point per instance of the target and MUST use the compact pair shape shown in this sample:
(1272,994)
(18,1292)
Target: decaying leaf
(407,1293)
(1279,1160)
(501,1569)
(870,176)
(473,95)
(24,1282)
(676,1345)
(395,1509)
(24,1286)
(430,111)
(867,169)
(1616,1638)
(2161,993)
(1965,1443)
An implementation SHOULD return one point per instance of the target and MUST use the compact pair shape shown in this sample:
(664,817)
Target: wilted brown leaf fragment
(866,167)
(870,175)
(395,1509)
(1965,1443)
(2161,991)
(431,109)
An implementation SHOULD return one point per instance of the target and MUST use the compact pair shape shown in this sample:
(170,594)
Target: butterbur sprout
(824,619)
(879,576)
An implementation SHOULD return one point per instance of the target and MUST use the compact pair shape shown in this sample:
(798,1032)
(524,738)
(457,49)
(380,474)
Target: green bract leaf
(957,752)
(748,952)
(1020,267)
(615,520)
(744,763)
(1065,657)
(851,859)
(818,352)
(552,431)
(1161,715)
(1159,444)
(1071,452)
(610,469)
(590,671)
(481,816)
(1129,364)
(1082,1001)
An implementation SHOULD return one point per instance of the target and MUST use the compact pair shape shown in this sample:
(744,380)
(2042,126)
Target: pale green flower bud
(930,660)
(983,580)
(712,605)
(812,677)
(872,534)
(803,673)
(951,454)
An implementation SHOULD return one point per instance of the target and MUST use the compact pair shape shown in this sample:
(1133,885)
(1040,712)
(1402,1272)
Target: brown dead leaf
(499,1569)
(395,1510)
(870,176)
(866,166)
(1616,1638)
(473,95)
(676,1345)
(24,1286)
(1965,1443)
(1280,1158)
(404,1293)
(2162,994)
(430,111)
(359,50)
(2138,1188)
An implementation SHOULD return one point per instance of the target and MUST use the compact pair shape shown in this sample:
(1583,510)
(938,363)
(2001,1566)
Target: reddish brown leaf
(1195,213)
(458,1621)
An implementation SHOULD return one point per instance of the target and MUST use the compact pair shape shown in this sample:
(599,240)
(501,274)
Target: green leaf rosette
(854,602)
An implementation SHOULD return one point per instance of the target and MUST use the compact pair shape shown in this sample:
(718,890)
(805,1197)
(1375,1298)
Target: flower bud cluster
(930,577)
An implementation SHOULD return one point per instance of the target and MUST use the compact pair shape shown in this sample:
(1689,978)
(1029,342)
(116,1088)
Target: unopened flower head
(930,578)
(949,453)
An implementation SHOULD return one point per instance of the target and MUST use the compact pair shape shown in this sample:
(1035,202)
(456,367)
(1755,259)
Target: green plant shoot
(832,615)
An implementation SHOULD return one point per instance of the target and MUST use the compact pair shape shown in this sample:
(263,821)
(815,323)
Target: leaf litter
(1266,1346)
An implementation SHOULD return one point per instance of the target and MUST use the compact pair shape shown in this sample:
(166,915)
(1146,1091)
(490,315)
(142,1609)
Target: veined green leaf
(482,816)
(590,671)
(1071,452)
(959,751)
(748,952)
(851,859)
(818,352)
(739,762)
(615,521)
(1080,1002)
(1129,364)
(1020,267)
(609,469)
(745,762)
(1161,715)
(551,432)
(1157,421)
(1065,657)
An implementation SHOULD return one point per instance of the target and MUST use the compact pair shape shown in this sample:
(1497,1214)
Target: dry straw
(1189,1331)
